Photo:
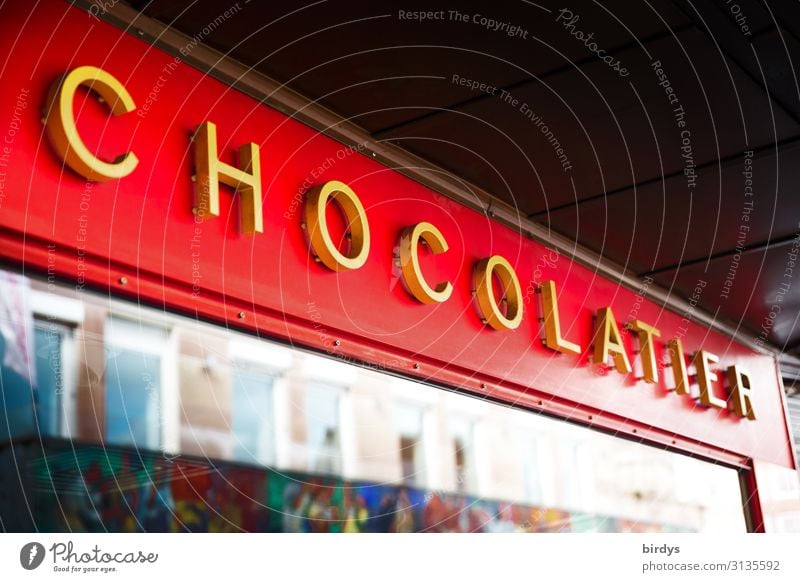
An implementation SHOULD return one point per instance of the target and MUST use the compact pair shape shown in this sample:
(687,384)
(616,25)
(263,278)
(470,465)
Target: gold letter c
(63,132)
(409,262)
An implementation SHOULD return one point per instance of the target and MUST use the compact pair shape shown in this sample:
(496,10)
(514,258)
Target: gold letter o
(317,225)
(485,293)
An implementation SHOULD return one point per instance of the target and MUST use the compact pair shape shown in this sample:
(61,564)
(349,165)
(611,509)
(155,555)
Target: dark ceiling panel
(605,130)
(391,76)
(778,55)
(364,61)
(662,224)
(757,288)
(748,17)
(763,48)
(787,14)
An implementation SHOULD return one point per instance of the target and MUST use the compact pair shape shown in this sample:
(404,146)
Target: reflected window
(409,422)
(51,343)
(133,381)
(252,414)
(16,395)
(17,365)
(462,432)
(568,473)
(554,476)
(531,471)
(323,419)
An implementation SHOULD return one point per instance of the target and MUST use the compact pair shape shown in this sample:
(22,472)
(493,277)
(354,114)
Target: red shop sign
(124,168)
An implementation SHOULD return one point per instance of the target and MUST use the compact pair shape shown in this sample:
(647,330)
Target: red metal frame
(751,500)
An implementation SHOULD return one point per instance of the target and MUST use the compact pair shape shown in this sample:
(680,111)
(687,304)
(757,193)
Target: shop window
(779,492)
(252,414)
(568,473)
(17,365)
(133,382)
(409,422)
(793,407)
(17,396)
(786,523)
(531,470)
(462,433)
(323,421)
(53,349)
(564,478)
(55,360)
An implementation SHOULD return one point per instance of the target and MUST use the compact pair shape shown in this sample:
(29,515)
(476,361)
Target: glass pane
(252,415)
(461,430)
(779,492)
(17,399)
(418,458)
(323,423)
(133,387)
(529,453)
(409,424)
(17,365)
(49,377)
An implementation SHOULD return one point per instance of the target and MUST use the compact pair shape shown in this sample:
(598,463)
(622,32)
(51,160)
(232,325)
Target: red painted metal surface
(142,228)
(751,499)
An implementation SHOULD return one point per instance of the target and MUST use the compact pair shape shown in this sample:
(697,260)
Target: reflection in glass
(323,425)
(409,425)
(253,424)
(258,433)
(49,340)
(133,384)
